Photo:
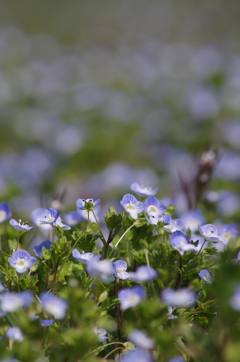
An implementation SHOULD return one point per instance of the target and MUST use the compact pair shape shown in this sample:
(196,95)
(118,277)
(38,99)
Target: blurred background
(95,95)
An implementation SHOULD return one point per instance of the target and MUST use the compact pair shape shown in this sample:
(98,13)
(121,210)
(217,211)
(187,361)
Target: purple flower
(38,248)
(50,216)
(38,214)
(11,302)
(143,274)
(53,305)
(5,211)
(137,355)
(132,205)
(15,333)
(20,225)
(82,257)
(192,219)
(46,322)
(87,204)
(182,297)
(142,190)
(174,225)
(140,339)
(235,299)
(154,207)
(205,276)
(209,232)
(130,297)
(59,223)
(119,269)
(181,242)
(166,219)
(101,333)
(227,232)
(176,359)
(73,217)
(21,260)
(2,288)
(100,269)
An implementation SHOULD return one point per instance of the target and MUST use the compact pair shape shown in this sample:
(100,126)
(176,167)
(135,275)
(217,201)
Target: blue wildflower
(87,204)
(166,219)
(58,222)
(50,216)
(143,274)
(119,269)
(137,355)
(82,257)
(53,305)
(182,297)
(170,315)
(177,359)
(2,288)
(20,225)
(142,190)
(15,333)
(209,232)
(73,217)
(11,302)
(192,219)
(154,207)
(38,248)
(5,211)
(46,322)
(37,215)
(181,242)
(100,269)
(227,232)
(132,205)
(140,339)
(101,333)
(205,276)
(174,225)
(130,297)
(21,260)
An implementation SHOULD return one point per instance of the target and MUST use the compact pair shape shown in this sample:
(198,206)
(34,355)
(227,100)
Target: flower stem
(124,234)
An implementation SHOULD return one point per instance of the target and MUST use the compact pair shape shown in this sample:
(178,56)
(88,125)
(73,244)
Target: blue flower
(119,269)
(142,190)
(205,276)
(181,242)
(209,232)
(137,355)
(11,302)
(82,257)
(46,322)
(38,214)
(100,269)
(166,219)
(15,333)
(20,225)
(227,232)
(235,299)
(58,222)
(21,260)
(192,219)
(174,225)
(5,211)
(170,315)
(132,205)
(143,274)
(176,359)
(73,217)
(154,207)
(2,288)
(130,297)
(101,333)
(50,216)
(140,339)
(38,248)
(182,297)
(53,305)
(87,204)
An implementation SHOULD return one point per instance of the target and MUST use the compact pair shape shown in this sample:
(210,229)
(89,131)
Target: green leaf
(92,228)
(210,251)
(201,320)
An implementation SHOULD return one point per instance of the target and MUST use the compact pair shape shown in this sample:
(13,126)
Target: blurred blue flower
(50,216)
(182,297)
(154,207)
(46,322)
(38,248)
(166,219)
(130,297)
(5,211)
(143,274)
(87,215)
(58,222)
(209,232)
(170,315)
(101,333)
(132,205)
(137,355)
(100,269)
(177,359)
(235,299)
(20,225)
(15,333)
(2,288)
(53,305)
(21,260)
(192,219)
(174,225)
(181,242)
(227,232)
(37,215)
(142,190)
(119,269)
(73,217)
(87,204)
(140,339)
(11,302)
(82,257)
(205,276)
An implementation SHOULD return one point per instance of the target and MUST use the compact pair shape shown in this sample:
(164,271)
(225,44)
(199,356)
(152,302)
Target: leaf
(201,320)
(210,250)
(92,228)
(65,270)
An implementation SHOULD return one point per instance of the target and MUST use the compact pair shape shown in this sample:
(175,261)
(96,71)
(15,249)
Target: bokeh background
(95,95)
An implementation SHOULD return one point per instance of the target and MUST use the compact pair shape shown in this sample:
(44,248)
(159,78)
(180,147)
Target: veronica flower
(140,339)
(82,257)
(181,242)
(177,359)
(101,333)
(15,333)
(205,276)
(130,297)
(227,232)
(87,204)
(38,248)
(174,225)
(182,297)
(53,305)
(192,219)
(58,222)
(209,232)
(11,302)
(20,225)
(142,190)
(46,322)
(119,269)
(73,217)
(50,216)
(166,219)
(21,260)
(37,215)
(136,355)
(2,288)
(143,274)
(170,315)
(100,269)
(132,205)
(154,207)
(87,215)
(5,211)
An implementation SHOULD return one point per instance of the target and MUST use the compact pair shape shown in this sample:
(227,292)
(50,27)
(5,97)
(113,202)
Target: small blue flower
(170,315)
(154,207)
(46,322)
(181,242)
(21,260)
(143,274)
(38,248)
(166,219)
(2,288)
(100,269)
(53,305)
(73,217)
(177,359)
(132,205)
(119,269)
(192,219)
(137,355)
(101,333)
(50,216)
(59,223)
(15,333)
(182,297)
(140,339)
(209,232)
(38,214)
(174,225)
(21,226)
(82,257)
(11,302)
(87,204)
(227,232)
(5,211)
(142,190)
(130,297)
(205,276)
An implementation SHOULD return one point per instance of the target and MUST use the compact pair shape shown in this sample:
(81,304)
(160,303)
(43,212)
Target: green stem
(102,347)
(115,349)
(95,217)
(124,234)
